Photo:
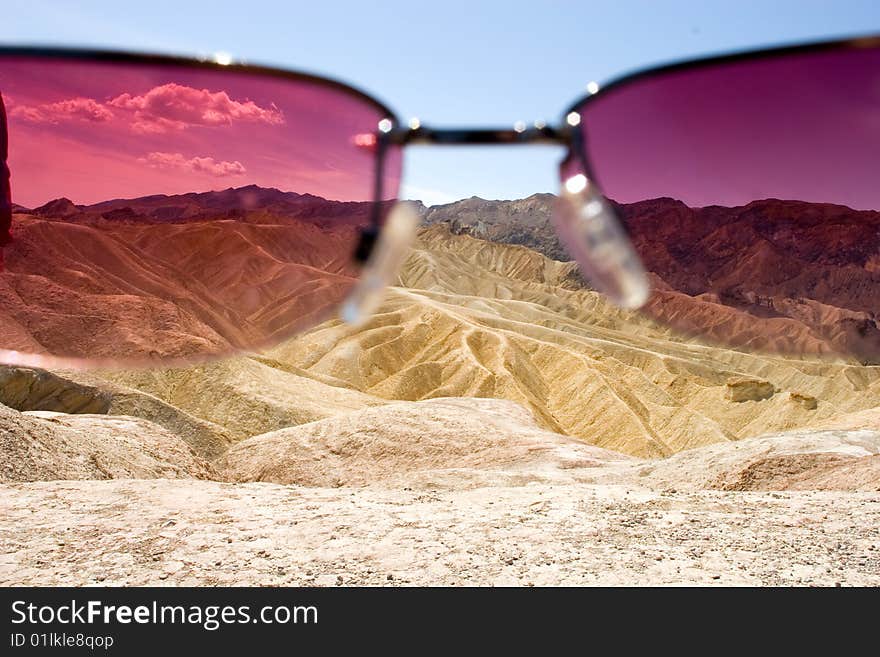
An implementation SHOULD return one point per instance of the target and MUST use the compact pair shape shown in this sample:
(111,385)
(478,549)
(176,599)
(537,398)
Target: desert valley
(496,422)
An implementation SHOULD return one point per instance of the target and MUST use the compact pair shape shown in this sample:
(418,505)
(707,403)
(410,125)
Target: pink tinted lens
(751,190)
(175,212)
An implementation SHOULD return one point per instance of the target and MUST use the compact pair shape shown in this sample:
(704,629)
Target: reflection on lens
(750,189)
(175,212)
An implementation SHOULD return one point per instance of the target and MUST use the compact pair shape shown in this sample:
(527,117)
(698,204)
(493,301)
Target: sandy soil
(161,532)
(443,491)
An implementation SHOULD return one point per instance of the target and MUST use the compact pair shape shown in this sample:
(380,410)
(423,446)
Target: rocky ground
(187,532)
(439,492)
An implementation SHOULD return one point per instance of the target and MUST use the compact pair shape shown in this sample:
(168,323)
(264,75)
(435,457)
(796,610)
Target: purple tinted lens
(176,212)
(751,190)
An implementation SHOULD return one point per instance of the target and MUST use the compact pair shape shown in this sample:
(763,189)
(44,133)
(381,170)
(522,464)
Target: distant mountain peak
(59,207)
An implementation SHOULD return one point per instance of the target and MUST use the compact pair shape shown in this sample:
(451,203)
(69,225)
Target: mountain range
(175,276)
(235,202)
(773,275)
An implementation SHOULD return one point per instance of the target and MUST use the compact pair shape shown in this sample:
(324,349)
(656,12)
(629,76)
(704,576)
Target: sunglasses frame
(395,134)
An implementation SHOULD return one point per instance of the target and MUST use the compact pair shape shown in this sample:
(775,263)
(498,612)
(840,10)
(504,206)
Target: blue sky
(451,62)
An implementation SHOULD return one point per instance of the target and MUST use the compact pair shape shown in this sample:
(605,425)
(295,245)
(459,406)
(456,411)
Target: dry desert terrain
(495,423)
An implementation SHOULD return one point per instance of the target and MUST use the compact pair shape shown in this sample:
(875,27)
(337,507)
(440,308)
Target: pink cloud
(84,109)
(207,165)
(176,107)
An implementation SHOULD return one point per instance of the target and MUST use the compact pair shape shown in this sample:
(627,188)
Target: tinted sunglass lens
(751,190)
(177,212)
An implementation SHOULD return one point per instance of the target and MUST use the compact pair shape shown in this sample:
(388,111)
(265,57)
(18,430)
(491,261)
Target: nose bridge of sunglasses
(585,221)
(538,133)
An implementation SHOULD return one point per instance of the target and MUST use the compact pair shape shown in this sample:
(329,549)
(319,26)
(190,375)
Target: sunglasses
(157,210)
